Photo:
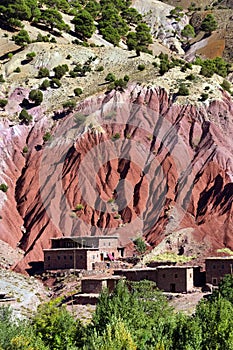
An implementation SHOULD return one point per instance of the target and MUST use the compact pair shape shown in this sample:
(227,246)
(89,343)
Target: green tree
(57,327)
(53,19)
(60,71)
(43,72)
(93,7)
(188,31)
(22,38)
(139,40)
(209,24)
(140,245)
(84,24)
(110,77)
(36,96)
(131,15)
(25,117)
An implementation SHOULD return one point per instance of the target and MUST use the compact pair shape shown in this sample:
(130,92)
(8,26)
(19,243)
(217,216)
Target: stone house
(217,268)
(96,284)
(81,252)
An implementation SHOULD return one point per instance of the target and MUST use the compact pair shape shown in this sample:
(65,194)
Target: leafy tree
(30,56)
(110,77)
(3,188)
(60,71)
(36,96)
(78,91)
(93,7)
(209,24)
(25,117)
(45,84)
(139,40)
(183,90)
(43,72)
(140,245)
(188,31)
(84,24)
(53,19)
(216,322)
(55,83)
(56,326)
(3,103)
(22,38)
(131,15)
(111,35)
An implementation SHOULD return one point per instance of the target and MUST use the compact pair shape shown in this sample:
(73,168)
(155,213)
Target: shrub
(190,77)
(60,71)
(3,103)
(68,57)
(3,188)
(78,91)
(226,85)
(25,149)
(17,70)
(55,83)
(183,90)
(47,136)
(22,38)
(126,78)
(209,23)
(45,84)
(43,72)
(2,79)
(30,56)
(36,96)
(79,118)
(10,55)
(204,96)
(25,117)
(116,136)
(100,69)
(69,104)
(110,77)
(141,67)
(79,207)
(188,31)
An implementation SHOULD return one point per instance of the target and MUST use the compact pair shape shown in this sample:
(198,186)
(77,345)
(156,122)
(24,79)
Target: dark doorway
(172,287)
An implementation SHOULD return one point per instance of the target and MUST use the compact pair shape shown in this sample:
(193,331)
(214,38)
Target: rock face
(126,163)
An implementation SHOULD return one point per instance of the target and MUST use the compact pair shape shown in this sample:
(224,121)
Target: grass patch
(168,256)
(225,251)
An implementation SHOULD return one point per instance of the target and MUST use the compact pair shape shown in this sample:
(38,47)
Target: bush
(3,103)
(10,55)
(36,96)
(25,117)
(47,136)
(22,38)
(204,96)
(100,69)
(25,149)
(116,136)
(60,71)
(190,77)
(30,56)
(45,84)
(69,104)
(209,24)
(226,85)
(126,78)
(78,91)
(110,77)
(3,188)
(55,83)
(141,67)
(43,72)
(2,79)
(79,207)
(183,90)
(17,70)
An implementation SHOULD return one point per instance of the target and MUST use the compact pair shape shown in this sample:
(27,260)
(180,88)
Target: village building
(81,252)
(96,284)
(217,268)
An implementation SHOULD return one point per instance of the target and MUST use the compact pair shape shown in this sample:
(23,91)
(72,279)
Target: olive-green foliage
(84,24)
(3,188)
(25,117)
(141,67)
(56,326)
(12,12)
(3,103)
(183,90)
(47,136)
(30,55)
(17,70)
(52,18)
(60,71)
(2,80)
(140,39)
(78,91)
(226,85)
(188,31)
(55,83)
(140,245)
(110,77)
(209,24)
(45,84)
(36,96)
(71,104)
(93,7)
(22,38)
(210,66)
(43,72)
(131,15)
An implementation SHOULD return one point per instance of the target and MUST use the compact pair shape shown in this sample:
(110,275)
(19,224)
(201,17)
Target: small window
(93,256)
(222,267)
(190,275)
(214,281)
(109,244)
(164,275)
(71,257)
(48,257)
(64,257)
(176,275)
(214,267)
(58,258)
(104,244)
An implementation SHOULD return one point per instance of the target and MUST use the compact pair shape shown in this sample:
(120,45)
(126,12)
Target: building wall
(217,268)
(70,259)
(175,279)
(138,274)
(93,285)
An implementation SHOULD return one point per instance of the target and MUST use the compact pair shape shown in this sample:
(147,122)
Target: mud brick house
(167,278)
(81,252)
(217,268)
(96,284)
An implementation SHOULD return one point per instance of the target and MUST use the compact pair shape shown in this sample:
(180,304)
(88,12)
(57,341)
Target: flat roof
(175,267)
(70,249)
(138,269)
(102,278)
